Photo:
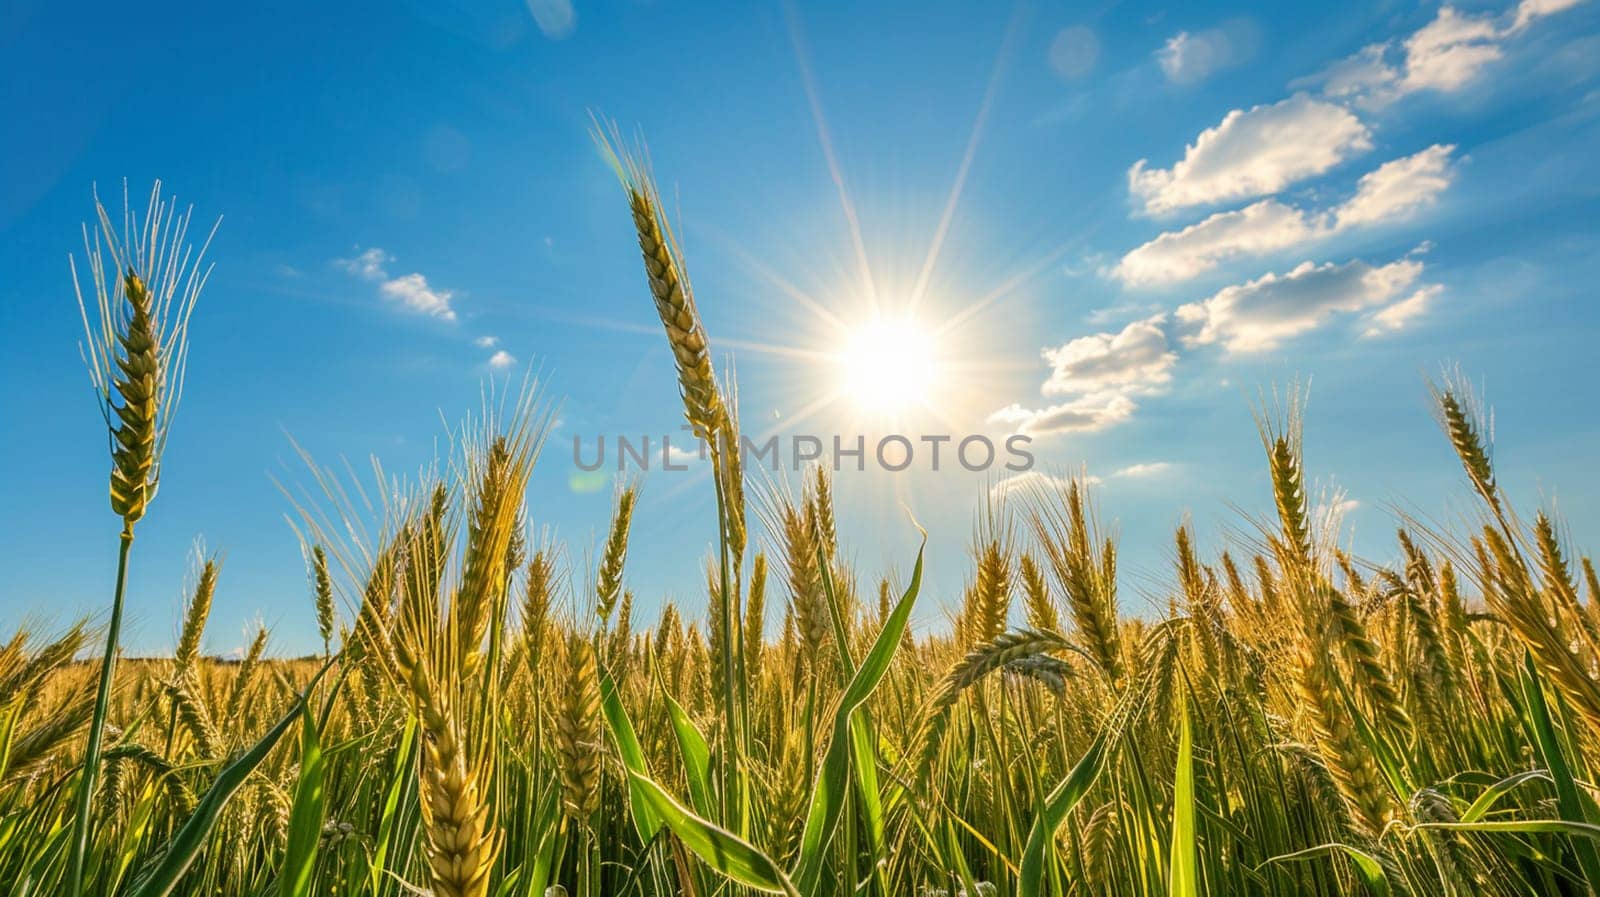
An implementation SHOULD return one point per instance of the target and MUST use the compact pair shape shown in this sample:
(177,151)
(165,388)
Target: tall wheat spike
(1036,595)
(322,593)
(492,527)
(195,614)
(669,286)
(1060,522)
(990,594)
(1346,758)
(608,578)
(538,591)
(441,661)
(730,474)
(145,283)
(822,498)
(1459,415)
(806,598)
(1281,436)
(755,618)
(577,728)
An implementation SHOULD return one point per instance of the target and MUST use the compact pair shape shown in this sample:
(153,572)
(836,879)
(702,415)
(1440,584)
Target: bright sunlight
(889,365)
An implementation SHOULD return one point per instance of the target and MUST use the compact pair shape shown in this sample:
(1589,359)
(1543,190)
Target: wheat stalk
(195,614)
(577,730)
(1060,523)
(1036,595)
(755,618)
(145,284)
(669,287)
(608,578)
(322,594)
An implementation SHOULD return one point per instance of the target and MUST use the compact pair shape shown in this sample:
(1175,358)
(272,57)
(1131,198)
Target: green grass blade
(191,838)
(402,782)
(1367,866)
(1569,800)
(1585,830)
(305,815)
(694,750)
(1494,792)
(1183,877)
(721,849)
(1041,835)
(828,793)
(632,754)
(863,756)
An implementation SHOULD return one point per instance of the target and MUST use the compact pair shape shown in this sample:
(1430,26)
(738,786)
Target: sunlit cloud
(1191,57)
(414,292)
(1146,470)
(1445,55)
(1392,192)
(1398,188)
(1083,414)
(1036,482)
(411,292)
(1261,314)
(1402,313)
(1135,359)
(1255,152)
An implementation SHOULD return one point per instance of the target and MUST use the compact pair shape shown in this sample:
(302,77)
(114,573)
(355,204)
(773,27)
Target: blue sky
(1124,220)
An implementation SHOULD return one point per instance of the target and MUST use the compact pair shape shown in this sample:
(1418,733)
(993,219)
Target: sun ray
(765,272)
(1005,288)
(991,367)
(809,410)
(936,245)
(825,139)
(776,349)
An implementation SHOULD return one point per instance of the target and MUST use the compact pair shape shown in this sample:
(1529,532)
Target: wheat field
(488,717)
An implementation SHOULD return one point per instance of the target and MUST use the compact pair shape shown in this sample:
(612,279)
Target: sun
(889,366)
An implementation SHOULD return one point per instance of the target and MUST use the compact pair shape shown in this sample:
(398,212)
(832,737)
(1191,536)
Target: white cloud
(1261,227)
(411,291)
(1188,58)
(368,264)
(1398,188)
(1401,313)
(1529,10)
(1388,193)
(1103,373)
(556,18)
(414,292)
(1354,77)
(1448,52)
(680,457)
(1034,482)
(1260,314)
(1135,359)
(1445,55)
(501,360)
(1083,414)
(1145,470)
(1253,153)
(486,342)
